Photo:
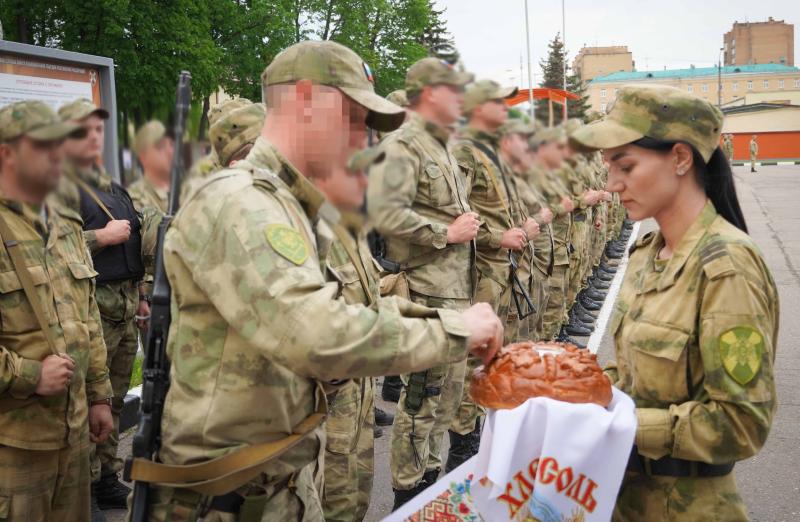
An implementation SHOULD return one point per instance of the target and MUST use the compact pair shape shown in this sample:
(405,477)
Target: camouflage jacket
(413,196)
(695,339)
(117,300)
(489,197)
(753,148)
(534,201)
(145,195)
(549,184)
(62,271)
(255,321)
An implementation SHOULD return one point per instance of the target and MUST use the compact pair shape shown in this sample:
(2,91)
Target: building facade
(771,82)
(592,62)
(751,43)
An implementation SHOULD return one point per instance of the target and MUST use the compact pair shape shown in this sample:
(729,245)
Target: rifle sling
(89,190)
(226,473)
(347,243)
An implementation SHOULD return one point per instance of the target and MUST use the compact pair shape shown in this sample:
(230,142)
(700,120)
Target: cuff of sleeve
(28,374)
(453,324)
(439,235)
(654,432)
(495,238)
(99,390)
(91,240)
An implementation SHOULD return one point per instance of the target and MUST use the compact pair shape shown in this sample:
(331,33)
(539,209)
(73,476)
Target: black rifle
(525,307)
(155,368)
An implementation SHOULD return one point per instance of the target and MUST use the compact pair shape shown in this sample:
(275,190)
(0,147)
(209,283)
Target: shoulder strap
(24,275)
(484,154)
(89,190)
(347,243)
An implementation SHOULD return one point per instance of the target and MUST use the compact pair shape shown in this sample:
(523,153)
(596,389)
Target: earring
(681,172)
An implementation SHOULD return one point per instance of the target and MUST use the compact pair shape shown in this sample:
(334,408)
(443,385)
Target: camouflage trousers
(556,303)
(499,297)
(348,466)
(599,237)
(752,162)
(578,261)
(529,328)
(46,485)
(416,442)
(679,499)
(121,343)
(293,499)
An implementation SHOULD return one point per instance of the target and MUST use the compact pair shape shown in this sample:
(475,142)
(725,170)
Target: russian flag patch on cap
(368,72)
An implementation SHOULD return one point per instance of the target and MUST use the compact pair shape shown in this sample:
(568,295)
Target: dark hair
(715,177)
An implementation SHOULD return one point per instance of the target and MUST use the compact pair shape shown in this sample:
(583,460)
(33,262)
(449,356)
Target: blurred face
(551,154)
(515,147)
(88,149)
(343,188)
(646,180)
(32,167)
(493,113)
(156,159)
(446,101)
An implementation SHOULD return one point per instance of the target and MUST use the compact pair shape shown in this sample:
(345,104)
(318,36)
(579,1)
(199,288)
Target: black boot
(430,477)
(588,304)
(575,328)
(564,338)
(599,284)
(602,275)
(585,317)
(110,492)
(463,447)
(97,513)
(401,496)
(377,432)
(390,391)
(383,418)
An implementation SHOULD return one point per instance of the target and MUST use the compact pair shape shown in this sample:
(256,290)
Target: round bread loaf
(523,370)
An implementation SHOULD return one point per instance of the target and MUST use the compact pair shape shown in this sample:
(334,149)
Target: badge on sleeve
(287,242)
(741,349)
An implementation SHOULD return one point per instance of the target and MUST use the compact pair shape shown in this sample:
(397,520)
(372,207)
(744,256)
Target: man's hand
(514,238)
(486,331)
(142,314)
(532,228)
(56,375)
(464,229)
(606,195)
(545,216)
(567,203)
(591,197)
(100,422)
(115,232)
(598,225)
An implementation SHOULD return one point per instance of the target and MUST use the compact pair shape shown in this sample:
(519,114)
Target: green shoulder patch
(741,349)
(287,242)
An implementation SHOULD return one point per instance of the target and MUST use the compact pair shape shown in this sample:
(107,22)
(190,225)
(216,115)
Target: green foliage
(224,43)
(553,77)
(136,375)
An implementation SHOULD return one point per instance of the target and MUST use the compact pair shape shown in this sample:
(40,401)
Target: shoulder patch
(741,349)
(715,259)
(287,242)
(642,241)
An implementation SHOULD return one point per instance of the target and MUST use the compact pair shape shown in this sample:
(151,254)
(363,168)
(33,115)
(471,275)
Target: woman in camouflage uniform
(696,322)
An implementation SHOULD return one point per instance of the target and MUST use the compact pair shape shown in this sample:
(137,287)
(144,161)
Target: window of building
(735,86)
(780,84)
(766,84)
(749,85)
(602,93)
(797,83)
(705,87)
(603,107)
(690,88)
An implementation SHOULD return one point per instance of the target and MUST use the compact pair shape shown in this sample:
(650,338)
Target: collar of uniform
(265,155)
(95,175)
(484,137)
(27,211)
(441,134)
(686,247)
(159,193)
(353,221)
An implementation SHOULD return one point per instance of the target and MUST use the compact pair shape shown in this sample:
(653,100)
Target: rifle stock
(155,368)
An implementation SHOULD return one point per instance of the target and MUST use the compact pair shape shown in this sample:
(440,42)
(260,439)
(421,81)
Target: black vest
(118,262)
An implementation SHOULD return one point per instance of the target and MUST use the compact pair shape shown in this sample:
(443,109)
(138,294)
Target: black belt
(579,217)
(672,467)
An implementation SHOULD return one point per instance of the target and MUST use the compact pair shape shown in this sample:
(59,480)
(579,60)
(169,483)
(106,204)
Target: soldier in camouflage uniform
(727,146)
(209,163)
(503,228)
(155,150)
(515,149)
(254,338)
(753,153)
(51,381)
(701,374)
(417,200)
(122,251)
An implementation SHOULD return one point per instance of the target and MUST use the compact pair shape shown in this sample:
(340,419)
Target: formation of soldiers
(483,230)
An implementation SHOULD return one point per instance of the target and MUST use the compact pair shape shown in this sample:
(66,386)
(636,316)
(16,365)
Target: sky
(490,34)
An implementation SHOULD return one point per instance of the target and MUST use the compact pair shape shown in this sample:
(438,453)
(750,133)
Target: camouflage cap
(483,91)
(398,97)
(35,120)
(221,110)
(362,159)
(332,64)
(544,134)
(516,126)
(572,125)
(659,112)
(237,129)
(434,71)
(147,135)
(79,109)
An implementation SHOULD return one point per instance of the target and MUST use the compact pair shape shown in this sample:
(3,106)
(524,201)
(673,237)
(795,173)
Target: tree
(552,76)
(435,33)
(577,108)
